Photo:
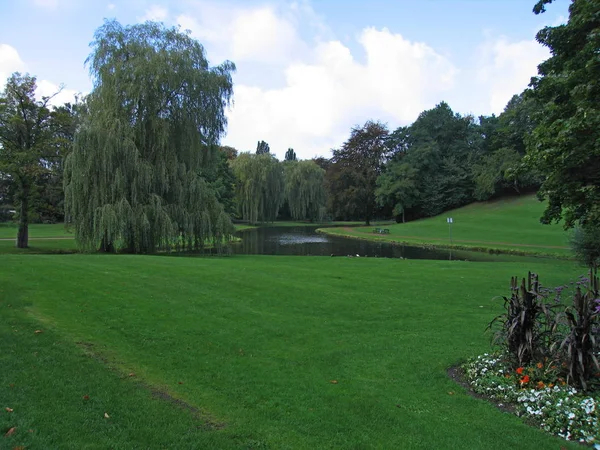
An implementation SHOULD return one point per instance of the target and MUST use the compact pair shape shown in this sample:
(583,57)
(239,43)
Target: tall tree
(155,114)
(259,186)
(290,155)
(305,190)
(565,143)
(356,166)
(430,168)
(262,147)
(25,145)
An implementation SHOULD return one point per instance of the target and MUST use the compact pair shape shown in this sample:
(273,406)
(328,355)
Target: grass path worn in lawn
(284,352)
(510,225)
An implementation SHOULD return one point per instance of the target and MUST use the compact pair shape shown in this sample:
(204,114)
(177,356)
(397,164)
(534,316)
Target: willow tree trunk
(23,231)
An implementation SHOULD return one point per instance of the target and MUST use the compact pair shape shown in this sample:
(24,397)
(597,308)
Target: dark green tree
(290,155)
(305,190)
(260,186)
(355,167)
(26,147)
(262,147)
(564,145)
(430,170)
(155,115)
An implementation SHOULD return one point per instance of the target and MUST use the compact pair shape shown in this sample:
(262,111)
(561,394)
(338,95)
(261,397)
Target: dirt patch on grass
(208,422)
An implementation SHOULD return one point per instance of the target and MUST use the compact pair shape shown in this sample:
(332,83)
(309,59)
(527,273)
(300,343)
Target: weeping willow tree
(259,186)
(305,190)
(156,110)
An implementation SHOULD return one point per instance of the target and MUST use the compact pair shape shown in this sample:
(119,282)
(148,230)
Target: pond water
(304,240)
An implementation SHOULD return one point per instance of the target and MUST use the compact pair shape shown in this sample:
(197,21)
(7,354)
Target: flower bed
(538,394)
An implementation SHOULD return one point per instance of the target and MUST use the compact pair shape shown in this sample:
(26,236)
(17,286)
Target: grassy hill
(105,351)
(509,225)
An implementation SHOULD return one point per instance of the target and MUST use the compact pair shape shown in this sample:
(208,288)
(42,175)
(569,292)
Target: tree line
(137,165)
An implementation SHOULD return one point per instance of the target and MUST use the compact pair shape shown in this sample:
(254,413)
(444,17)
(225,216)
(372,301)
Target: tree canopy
(157,110)
(262,147)
(564,146)
(305,190)
(31,147)
(354,171)
(259,186)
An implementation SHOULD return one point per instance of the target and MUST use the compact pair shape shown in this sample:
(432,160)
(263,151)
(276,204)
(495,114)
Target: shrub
(525,328)
(585,243)
(578,333)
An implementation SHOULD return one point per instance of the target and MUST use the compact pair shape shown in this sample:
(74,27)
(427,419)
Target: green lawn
(509,225)
(46,238)
(243,352)
(8,230)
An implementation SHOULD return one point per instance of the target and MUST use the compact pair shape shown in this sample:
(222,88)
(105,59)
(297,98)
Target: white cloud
(323,99)
(111,6)
(155,13)
(258,35)
(506,69)
(261,36)
(10,62)
(46,88)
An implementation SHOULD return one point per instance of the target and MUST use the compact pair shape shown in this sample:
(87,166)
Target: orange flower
(525,379)
(540,365)
(541,385)
(520,370)
(551,385)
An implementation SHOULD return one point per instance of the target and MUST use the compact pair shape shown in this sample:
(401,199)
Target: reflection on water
(306,241)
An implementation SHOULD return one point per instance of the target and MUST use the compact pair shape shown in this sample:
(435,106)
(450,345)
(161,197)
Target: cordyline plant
(580,326)
(525,329)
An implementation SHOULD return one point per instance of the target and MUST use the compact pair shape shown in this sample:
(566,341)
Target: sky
(307,71)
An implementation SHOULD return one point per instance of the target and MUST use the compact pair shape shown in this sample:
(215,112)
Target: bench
(381,231)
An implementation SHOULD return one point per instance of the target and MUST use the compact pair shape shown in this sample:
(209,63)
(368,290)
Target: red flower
(520,371)
(525,379)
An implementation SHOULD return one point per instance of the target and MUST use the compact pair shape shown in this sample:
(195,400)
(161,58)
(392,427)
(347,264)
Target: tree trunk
(403,221)
(106,246)
(23,232)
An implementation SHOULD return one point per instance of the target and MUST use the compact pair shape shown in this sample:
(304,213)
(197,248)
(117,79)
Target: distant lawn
(46,238)
(8,230)
(509,225)
(251,352)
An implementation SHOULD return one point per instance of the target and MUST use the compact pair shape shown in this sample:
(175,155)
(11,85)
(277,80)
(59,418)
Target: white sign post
(449,220)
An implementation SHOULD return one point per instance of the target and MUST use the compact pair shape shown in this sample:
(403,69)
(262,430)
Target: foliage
(30,147)
(259,186)
(430,168)
(564,144)
(538,395)
(220,178)
(530,329)
(290,155)
(581,325)
(585,243)
(155,115)
(262,147)
(355,167)
(305,190)
(525,328)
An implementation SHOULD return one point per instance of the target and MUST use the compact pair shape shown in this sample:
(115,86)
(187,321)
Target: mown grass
(8,230)
(509,225)
(274,352)
(47,238)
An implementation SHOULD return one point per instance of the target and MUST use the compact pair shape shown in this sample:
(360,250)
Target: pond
(304,240)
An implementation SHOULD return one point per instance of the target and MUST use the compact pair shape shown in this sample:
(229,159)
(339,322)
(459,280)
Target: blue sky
(307,70)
